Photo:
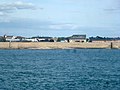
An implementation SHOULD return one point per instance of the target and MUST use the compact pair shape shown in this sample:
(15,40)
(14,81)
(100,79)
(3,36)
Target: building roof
(42,37)
(19,37)
(78,37)
(8,37)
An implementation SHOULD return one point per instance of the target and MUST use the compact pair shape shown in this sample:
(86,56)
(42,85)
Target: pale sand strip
(55,45)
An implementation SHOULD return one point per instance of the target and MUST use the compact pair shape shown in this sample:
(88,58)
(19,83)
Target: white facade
(12,39)
(31,40)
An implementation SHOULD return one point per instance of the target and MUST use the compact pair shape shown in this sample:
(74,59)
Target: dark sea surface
(72,69)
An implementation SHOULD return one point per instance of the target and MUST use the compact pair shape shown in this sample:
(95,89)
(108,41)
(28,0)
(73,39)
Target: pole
(111,45)
(10,44)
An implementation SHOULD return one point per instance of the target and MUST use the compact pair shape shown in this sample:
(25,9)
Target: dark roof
(19,37)
(42,37)
(78,37)
(9,37)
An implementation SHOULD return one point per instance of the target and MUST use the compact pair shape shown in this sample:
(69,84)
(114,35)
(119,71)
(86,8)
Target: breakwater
(56,45)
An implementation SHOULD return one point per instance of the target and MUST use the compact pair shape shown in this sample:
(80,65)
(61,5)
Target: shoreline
(58,45)
(60,49)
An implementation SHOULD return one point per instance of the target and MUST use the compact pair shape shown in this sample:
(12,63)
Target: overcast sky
(60,17)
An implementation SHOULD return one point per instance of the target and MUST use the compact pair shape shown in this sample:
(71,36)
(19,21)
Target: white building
(31,40)
(13,38)
(77,38)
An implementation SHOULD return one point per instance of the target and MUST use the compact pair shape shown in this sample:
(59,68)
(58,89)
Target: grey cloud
(25,24)
(112,9)
(69,26)
(7,8)
(115,7)
(16,5)
(34,24)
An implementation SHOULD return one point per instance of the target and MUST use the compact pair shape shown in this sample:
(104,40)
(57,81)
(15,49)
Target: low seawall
(55,45)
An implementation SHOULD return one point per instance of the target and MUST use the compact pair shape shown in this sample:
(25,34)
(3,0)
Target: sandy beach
(55,45)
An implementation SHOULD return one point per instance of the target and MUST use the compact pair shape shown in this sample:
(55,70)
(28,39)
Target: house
(62,39)
(10,38)
(30,40)
(13,38)
(77,38)
(44,39)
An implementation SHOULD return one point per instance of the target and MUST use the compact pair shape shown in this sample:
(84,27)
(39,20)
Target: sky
(60,17)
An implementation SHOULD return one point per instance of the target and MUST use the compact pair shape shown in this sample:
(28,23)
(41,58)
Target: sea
(68,69)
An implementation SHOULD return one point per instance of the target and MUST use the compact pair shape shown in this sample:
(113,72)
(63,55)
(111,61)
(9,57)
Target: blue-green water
(75,69)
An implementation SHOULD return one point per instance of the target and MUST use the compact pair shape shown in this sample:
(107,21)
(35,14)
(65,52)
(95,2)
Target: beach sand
(55,45)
